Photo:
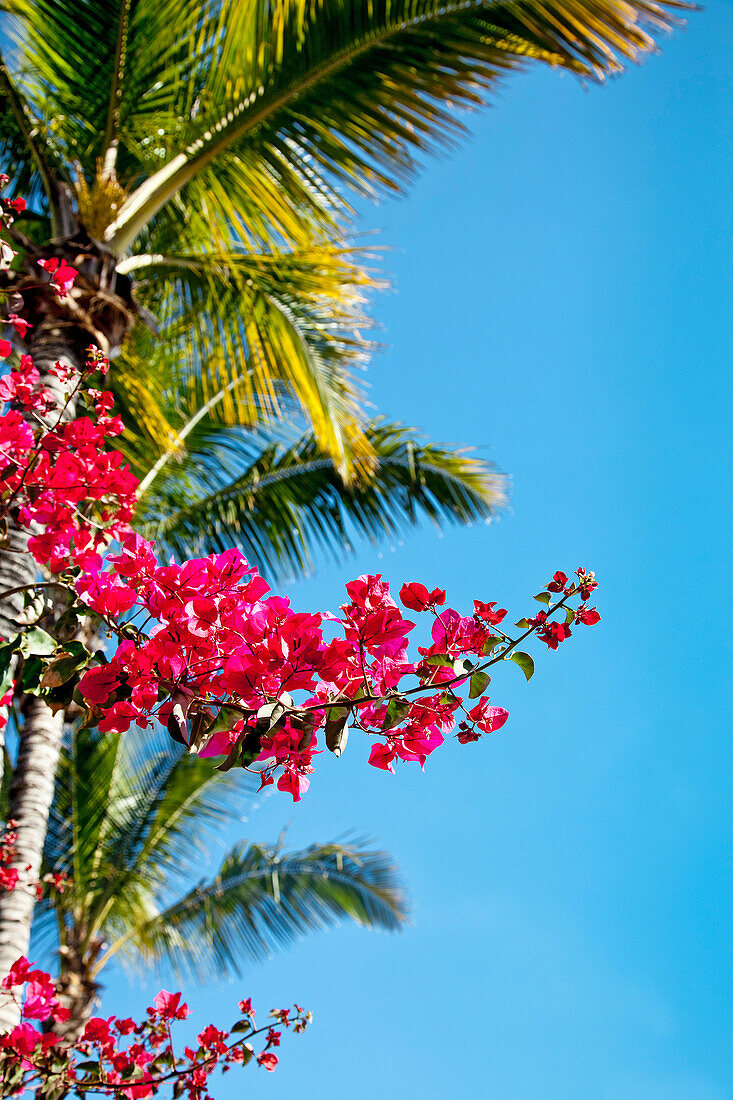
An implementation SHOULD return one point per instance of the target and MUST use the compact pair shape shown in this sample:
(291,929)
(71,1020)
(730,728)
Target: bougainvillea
(202,646)
(58,477)
(125,1057)
(232,671)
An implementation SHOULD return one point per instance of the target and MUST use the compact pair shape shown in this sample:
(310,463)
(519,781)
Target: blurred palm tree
(130,825)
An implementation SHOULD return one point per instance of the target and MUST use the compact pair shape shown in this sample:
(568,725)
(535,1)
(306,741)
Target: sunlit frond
(354,93)
(279,323)
(285,505)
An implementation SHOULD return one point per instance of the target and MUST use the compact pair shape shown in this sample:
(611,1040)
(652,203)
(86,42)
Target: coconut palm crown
(205,150)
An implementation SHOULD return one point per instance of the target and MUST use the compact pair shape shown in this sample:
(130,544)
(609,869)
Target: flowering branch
(116,1056)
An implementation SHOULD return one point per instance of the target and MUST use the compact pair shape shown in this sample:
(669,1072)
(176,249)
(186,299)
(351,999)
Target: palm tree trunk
(31,793)
(76,990)
(30,801)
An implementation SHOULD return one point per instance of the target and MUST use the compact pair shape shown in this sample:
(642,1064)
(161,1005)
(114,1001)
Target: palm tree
(130,824)
(212,145)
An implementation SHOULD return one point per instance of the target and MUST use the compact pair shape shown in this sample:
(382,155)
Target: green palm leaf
(129,814)
(282,504)
(262,899)
(280,323)
(203,132)
(24,153)
(350,92)
(224,96)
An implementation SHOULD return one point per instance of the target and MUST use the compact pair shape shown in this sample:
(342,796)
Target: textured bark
(76,990)
(32,790)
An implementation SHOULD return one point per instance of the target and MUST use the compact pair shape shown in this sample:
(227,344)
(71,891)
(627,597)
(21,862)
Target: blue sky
(562,301)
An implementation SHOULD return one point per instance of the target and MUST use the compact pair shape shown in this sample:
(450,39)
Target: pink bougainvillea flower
(169,1005)
(24,1039)
(62,276)
(21,971)
(268,1060)
(381,756)
(294,783)
(486,612)
(97,684)
(40,1000)
(416,596)
(20,324)
(489,719)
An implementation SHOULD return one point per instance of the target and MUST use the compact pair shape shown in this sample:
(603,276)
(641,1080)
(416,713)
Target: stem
(33,587)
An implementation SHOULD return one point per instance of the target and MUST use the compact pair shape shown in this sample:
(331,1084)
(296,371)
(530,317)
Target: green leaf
(462,666)
(61,697)
(543,597)
(37,642)
(479,682)
(492,643)
(66,664)
(7,649)
(397,710)
(241,1025)
(522,624)
(226,719)
(251,746)
(524,661)
(336,730)
(439,660)
(31,673)
(233,757)
(569,616)
(88,1067)
(306,723)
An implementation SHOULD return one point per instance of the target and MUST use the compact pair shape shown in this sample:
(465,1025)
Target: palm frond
(131,824)
(106,72)
(173,805)
(277,323)
(352,92)
(282,504)
(263,899)
(24,154)
(80,816)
